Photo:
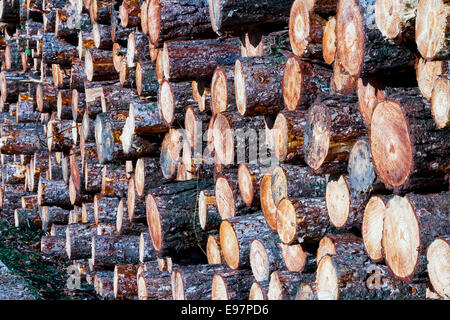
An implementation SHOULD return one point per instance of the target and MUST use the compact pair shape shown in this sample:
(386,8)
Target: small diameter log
(99,65)
(202,94)
(146,251)
(153,284)
(265,256)
(147,175)
(53,193)
(230,202)
(396,19)
(327,142)
(372,227)
(258,86)
(127,75)
(105,208)
(230,15)
(362,49)
(26,218)
(177,21)
(144,16)
(291,181)
(54,246)
(125,281)
(197,59)
(284,285)
(440,99)
(432,29)
(137,48)
(339,244)
(370,92)
(305,30)
(107,229)
(100,11)
(11,86)
(295,257)
(427,73)
(438,255)
(173,98)
(213,251)
(302,219)
(85,41)
(400,136)
(193,282)
(93,177)
(104,284)
(231,285)
(25,110)
(135,204)
(78,240)
(302,82)
(57,51)
(64,105)
(108,251)
(361,172)
(114,181)
(236,236)
(249,177)
(59,135)
(143,121)
(208,214)
(102,36)
(227,126)
(286,136)
(259,290)
(29,202)
(146,81)
(329,41)
(13,173)
(170,156)
(222,90)
(268,206)
(345,208)
(418,218)
(46,98)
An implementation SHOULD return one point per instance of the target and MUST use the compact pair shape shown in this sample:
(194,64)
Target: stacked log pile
(229,149)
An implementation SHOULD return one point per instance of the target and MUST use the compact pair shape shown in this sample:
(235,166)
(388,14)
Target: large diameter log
(236,236)
(295,257)
(230,15)
(432,29)
(231,285)
(405,143)
(258,86)
(177,21)
(361,47)
(53,192)
(345,208)
(197,59)
(302,82)
(112,250)
(291,181)
(327,142)
(302,218)
(438,255)
(418,218)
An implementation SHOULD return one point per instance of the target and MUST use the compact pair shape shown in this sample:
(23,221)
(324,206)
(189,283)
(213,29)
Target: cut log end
(326,280)
(166,102)
(292,83)
(316,136)
(219,288)
(267,203)
(431,25)
(225,198)
(280,136)
(240,87)
(438,256)
(246,186)
(294,257)
(88,65)
(440,103)
(154,21)
(426,75)
(229,244)
(259,261)
(349,31)
(368,97)
(279,185)
(329,41)
(204,200)
(213,252)
(256,292)
(219,91)
(372,227)
(337,197)
(360,167)
(387,17)
(153,221)
(390,144)
(299,27)
(223,139)
(286,221)
(401,237)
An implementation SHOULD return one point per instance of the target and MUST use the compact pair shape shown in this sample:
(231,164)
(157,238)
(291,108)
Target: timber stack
(223,149)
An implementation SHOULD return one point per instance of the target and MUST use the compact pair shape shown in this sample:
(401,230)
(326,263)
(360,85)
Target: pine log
(100,11)
(372,227)
(154,284)
(64,105)
(419,218)
(26,218)
(46,98)
(78,240)
(222,90)
(53,192)
(55,50)
(108,251)
(361,48)
(295,257)
(268,206)
(213,251)
(102,36)
(370,92)
(327,142)
(105,208)
(22,139)
(59,136)
(85,42)
(197,59)
(54,246)
(170,156)
(173,98)
(438,253)
(329,41)
(125,281)
(114,181)
(439,102)
(231,285)
(146,251)
(146,81)
(259,290)
(361,172)
(236,236)
(427,73)
(265,256)
(177,21)
(137,48)
(284,285)
(99,65)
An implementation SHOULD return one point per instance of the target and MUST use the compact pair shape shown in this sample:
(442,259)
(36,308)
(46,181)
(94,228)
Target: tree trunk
(108,251)
(125,281)
(265,256)
(53,192)
(284,285)
(231,285)
(78,240)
